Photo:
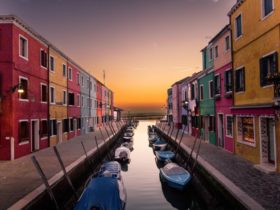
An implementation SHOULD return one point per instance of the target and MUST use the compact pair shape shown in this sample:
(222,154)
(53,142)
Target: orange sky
(144,46)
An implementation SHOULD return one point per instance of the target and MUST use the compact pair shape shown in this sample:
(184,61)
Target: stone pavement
(18,178)
(263,188)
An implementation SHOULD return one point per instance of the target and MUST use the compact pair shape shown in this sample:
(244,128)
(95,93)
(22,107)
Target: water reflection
(141,177)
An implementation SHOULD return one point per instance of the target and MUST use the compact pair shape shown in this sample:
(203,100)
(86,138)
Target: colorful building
(24,116)
(206,97)
(57,94)
(255,42)
(169,105)
(176,98)
(93,104)
(85,100)
(223,86)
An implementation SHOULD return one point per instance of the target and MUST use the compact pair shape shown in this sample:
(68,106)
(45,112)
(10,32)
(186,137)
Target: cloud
(215,1)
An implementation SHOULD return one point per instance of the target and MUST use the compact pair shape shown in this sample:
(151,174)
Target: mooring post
(171,130)
(168,130)
(177,134)
(113,128)
(178,145)
(87,158)
(64,172)
(45,180)
(102,135)
(193,147)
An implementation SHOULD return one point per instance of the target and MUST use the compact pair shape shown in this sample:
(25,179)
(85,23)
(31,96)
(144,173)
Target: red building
(23,116)
(75,100)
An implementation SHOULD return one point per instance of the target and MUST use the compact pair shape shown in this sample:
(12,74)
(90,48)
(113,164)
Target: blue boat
(165,155)
(159,145)
(175,176)
(102,193)
(112,167)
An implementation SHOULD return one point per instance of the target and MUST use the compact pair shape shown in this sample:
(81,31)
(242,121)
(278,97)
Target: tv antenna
(104,76)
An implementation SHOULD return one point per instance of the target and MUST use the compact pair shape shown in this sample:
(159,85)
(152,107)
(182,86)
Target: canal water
(142,181)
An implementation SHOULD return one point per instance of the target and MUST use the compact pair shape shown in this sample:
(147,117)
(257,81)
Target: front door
(221,130)
(59,132)
(268,140)
(34,135)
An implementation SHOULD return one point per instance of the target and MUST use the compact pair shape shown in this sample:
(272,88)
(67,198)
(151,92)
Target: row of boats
(174,175)
(105,189)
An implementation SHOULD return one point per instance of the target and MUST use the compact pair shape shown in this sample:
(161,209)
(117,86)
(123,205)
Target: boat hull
(164,155)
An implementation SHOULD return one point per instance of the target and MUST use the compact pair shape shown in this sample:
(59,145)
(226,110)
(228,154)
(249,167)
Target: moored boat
(122,154)
(175,176)
(165,155)
(159,145)
(129,145)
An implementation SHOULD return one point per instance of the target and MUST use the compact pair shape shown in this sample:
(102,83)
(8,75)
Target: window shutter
(275,62)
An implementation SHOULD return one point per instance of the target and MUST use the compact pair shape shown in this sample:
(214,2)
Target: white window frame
(82,101)
(228,36)
(82,80)
(263,16)
(210,89)
(238,68)
(24,142)
(43,84)
(70,76)
(216,52)
(25,78)
(64,95)
(44,119)
(51,95)
(266,55)
(201,99)
(232,125)
(254,126)
(235,26)
(65,70)
(232,82)
(78,78)
(79,100)
(52,58)
(51,130)
(43,67)
(19,49)
(210,53)
(69,124)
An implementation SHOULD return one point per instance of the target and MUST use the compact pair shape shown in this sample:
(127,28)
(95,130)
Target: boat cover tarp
(165,154)
(121,149)
(113,167)
(101,192)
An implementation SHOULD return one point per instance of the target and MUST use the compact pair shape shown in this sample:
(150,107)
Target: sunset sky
(143,45)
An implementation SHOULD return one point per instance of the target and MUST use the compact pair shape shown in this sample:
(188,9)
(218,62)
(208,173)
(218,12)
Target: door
(221,130)
(206,128)
(267,140)
(59,132)
(34,135)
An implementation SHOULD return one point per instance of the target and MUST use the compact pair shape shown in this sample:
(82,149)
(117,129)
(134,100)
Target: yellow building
(255,28)
(58,97)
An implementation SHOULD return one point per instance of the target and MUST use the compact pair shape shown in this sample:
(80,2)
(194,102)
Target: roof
(221,32)
(21,23)
(235,7)
(181,81)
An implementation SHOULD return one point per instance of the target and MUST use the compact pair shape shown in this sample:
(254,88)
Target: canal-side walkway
(19,180)
(253,188)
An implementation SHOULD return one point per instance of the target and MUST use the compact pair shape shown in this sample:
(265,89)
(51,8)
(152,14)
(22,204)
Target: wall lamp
(17,87)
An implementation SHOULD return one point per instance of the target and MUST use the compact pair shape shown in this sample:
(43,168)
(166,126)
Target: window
(43,58)
(192,91)
(88,102)
(79,100)
(24,85)
(82,101)
(64,97)
(211,53)
(53,127)
(216,52)
(65,126)
(201,92)
(44,92)
(23,131)
(64,70)
(245,130)
(212,123)
(78,123)
(267,7)
(229,126)
(94,87)
(238,26)
(70,74)
(78,79)
(88,84)
(52,95)
(71,124)
(71,99)
(82,80)
(227,43)
(217,81)
(23,47)
(228,81)
(211,89)
(240,80)
(268,66)
(51,63)
(44,128)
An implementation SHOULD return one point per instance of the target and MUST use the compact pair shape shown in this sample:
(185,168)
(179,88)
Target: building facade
(223,86)
(255,42)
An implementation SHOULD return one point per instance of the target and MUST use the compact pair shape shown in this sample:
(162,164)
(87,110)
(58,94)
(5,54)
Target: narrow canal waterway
(141,178)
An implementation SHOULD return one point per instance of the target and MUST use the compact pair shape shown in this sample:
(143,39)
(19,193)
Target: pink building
(24,116)
(223,82)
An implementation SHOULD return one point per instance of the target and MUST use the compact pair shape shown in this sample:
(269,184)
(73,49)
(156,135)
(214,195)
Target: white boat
(122,154)
(128,145)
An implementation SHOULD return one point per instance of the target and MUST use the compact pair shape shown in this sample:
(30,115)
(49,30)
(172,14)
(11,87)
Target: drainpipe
(48,95)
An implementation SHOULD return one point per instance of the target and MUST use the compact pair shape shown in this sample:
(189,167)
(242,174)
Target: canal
(142,181)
